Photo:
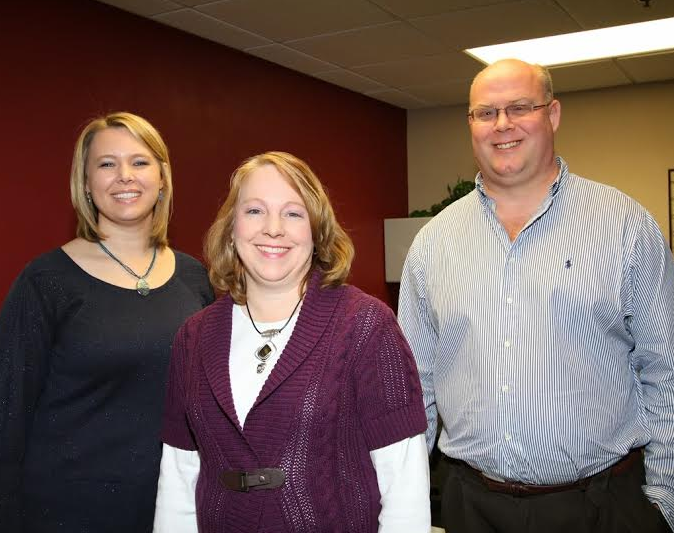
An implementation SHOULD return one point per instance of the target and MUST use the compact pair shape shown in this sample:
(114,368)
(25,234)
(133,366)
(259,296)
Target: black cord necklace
(142,286)
(264,352)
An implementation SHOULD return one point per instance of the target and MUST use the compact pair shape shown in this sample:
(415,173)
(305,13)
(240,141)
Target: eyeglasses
(513,112)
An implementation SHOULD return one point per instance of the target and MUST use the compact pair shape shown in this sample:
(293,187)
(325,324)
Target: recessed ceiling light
(617,41)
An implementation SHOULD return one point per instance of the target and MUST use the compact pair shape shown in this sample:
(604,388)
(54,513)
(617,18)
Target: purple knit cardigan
(345,384)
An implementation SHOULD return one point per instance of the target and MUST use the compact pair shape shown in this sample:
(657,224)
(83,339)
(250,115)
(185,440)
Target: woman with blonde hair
(85,338)
(294,403)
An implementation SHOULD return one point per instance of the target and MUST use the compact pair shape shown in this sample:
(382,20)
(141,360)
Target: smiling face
(520,152)
(272,232)
(123,178)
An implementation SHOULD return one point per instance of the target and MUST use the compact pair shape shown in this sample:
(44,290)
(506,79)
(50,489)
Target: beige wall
(438,153)
(622,136)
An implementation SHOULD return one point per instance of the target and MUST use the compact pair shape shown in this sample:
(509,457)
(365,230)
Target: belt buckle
(517,489)
(235,480)
(243,482)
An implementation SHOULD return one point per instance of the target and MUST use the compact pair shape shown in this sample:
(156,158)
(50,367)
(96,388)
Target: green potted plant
(462,188)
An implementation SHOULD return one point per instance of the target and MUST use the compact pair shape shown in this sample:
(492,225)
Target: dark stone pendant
(262,354)
(142,287)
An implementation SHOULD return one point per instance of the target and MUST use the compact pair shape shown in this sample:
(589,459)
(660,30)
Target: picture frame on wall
(671,209)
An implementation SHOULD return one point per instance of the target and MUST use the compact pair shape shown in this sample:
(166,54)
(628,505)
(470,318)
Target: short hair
(541,72)
(87,214)
(546,81)
(333,249)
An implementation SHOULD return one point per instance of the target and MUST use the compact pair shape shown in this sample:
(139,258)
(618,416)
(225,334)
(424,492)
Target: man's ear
(555,114)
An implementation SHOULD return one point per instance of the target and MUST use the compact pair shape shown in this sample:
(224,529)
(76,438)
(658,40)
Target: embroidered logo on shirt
(567,263)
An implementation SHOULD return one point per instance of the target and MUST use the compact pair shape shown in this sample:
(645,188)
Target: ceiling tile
(603,13)
(398,99)
(419,8)
(450,93)
(487,25)
(413,62)
(377,44)
(146,8)
(423,70)
(593,75)
(277,53)
(192,3)
(349,80)
(297,19)
(210,28)
(652,67)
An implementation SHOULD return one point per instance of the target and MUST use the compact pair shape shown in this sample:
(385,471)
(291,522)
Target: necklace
(264,352)
(142,286)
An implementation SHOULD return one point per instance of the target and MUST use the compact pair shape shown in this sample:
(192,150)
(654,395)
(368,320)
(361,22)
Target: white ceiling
(409,52)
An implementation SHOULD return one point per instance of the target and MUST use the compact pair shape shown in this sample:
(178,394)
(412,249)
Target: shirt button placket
(508,371)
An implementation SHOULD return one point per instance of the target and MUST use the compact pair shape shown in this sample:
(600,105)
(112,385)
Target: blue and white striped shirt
(550,357)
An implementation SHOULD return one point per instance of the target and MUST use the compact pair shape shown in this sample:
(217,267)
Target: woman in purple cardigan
(294,402)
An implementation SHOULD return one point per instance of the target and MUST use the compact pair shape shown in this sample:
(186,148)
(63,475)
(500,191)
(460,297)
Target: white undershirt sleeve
(176,508)
(404,484)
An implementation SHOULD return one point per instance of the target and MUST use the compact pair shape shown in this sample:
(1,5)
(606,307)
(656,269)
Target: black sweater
(82,382)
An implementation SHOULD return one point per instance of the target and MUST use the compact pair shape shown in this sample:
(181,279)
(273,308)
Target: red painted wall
(64,62)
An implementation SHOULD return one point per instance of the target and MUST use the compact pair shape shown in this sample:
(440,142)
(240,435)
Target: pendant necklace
(142,286)
(264,352)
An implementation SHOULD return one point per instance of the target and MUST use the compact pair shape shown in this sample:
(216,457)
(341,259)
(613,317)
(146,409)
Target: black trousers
(610,503)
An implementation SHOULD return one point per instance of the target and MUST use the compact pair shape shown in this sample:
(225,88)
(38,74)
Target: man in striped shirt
(540,310)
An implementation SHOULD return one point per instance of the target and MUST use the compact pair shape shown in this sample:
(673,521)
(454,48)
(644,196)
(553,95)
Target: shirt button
(509,300)
(505,388)
(507,436)
(506,344)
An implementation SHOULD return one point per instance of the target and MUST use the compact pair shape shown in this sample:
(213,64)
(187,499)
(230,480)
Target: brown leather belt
(259,479)
(522,489)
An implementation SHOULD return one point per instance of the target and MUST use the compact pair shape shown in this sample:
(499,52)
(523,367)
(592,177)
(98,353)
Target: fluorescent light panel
(618,41)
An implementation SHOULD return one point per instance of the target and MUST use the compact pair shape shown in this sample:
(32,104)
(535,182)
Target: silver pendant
(142,287)
(263,353)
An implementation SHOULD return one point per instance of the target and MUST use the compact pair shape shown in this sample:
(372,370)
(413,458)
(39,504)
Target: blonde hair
(333,249)
(87,214)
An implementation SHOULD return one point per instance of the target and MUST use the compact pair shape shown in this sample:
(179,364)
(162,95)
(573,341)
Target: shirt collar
(561,178)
